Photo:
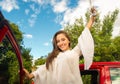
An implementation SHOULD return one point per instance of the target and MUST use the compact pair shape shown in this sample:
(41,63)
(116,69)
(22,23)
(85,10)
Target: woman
(62,65)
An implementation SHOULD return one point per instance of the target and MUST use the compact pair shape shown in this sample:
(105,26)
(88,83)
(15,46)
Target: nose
(60,43)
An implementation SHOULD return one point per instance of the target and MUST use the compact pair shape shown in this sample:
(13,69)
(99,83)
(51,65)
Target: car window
(115,75)
(8,63)
(90,76)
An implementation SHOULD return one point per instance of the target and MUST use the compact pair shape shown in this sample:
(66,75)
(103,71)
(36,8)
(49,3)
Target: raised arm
(92,18)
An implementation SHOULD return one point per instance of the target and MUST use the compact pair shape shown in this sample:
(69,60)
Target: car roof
(100,64)
(106,63)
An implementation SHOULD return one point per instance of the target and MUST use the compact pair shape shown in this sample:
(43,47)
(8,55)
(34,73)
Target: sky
(39,20)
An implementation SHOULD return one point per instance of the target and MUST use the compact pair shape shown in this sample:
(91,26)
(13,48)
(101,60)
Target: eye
(63,39)
(57,41)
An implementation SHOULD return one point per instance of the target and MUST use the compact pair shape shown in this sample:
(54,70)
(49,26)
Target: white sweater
(66,65)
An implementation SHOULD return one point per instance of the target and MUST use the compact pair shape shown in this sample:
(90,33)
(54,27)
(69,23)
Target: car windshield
(115,75)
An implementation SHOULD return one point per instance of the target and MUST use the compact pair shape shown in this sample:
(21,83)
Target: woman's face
(62,42)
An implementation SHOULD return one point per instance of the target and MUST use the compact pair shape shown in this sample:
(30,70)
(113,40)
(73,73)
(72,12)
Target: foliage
(103,40)
(106,47)
(116,48)
(40,61)
(18,34)
(12,68)
(9,66)
(74,31)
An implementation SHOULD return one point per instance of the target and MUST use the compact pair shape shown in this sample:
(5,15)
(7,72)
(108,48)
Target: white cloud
(41,2)
(58,18)
(59,7)
(31,21)
(27,11)
(116,30)
(9,5)
(103,7)
(106,6)
(25,0)
(35,9)
(33,17)
(28,36)
(46,44)
(71,14)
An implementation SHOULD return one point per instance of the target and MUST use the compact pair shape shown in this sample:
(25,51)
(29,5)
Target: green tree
(74,31)
(27,61)
(107,48)
(103,47)
(116,48)
(102,34)
(40,61)
(9,66)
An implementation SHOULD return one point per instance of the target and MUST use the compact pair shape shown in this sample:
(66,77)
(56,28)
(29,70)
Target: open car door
(6,32)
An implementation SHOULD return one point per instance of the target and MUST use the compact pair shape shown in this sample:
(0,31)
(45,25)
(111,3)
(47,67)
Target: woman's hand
(93,12)
(27,74)
(92,18)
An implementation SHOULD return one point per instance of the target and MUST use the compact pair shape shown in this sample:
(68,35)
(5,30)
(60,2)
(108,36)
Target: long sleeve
(40,75)
(86,44)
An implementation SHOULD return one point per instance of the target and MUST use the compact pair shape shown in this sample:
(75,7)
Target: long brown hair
(55,50)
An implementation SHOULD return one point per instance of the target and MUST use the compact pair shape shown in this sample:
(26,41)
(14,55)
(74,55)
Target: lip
(62,48)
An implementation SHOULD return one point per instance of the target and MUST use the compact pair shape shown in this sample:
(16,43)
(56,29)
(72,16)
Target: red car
(101,73)
(6,33)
